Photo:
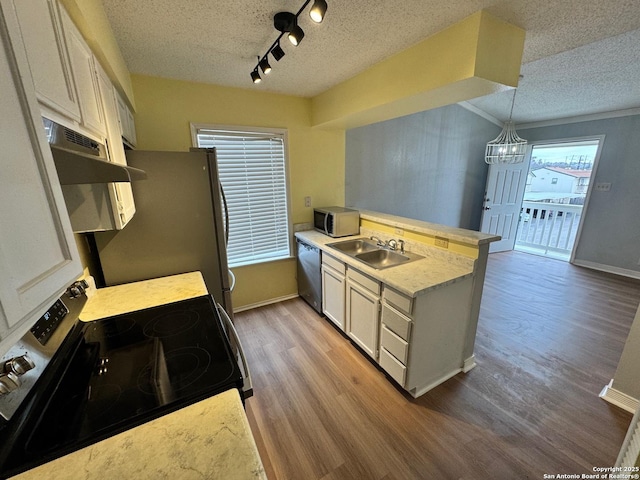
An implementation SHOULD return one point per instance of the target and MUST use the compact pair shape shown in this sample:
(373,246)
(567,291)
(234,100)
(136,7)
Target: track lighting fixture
(287,22)
(318,9)
(296,35)
(264,66)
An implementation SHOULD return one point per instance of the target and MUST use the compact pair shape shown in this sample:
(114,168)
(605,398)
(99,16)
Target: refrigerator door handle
(233,280)
(226,215)
(232,332)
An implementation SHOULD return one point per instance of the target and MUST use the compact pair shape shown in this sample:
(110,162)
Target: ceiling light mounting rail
(287,22)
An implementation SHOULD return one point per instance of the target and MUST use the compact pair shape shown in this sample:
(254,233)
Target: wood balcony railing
(548,228)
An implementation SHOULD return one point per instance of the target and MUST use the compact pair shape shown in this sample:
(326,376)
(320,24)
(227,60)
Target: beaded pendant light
(507,147)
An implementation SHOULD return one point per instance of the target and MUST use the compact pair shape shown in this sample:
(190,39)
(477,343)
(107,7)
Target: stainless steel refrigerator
(178,226)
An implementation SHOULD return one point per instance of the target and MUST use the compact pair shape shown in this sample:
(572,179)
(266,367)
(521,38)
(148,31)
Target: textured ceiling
(580,56)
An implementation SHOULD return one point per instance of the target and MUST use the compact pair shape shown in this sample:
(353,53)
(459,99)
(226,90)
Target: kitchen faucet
(379,242)
(395,244)
(392,244)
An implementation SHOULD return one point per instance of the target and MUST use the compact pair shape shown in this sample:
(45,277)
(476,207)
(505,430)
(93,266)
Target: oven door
(238,351)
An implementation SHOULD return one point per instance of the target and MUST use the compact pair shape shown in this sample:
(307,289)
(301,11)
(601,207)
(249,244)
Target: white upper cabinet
(127,125)
(120,193)
(42,35)
(38,254)
(83,65)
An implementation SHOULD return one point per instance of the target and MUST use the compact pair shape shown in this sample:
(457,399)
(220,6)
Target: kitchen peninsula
(417,320)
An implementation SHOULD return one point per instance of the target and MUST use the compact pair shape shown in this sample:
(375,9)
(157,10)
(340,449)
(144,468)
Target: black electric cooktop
(128,369)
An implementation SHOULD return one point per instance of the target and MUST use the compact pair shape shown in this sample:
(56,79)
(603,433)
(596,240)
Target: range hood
(81,160)
(75,168)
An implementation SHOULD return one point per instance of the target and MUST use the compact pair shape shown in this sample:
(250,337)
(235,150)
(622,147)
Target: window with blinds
(252,170)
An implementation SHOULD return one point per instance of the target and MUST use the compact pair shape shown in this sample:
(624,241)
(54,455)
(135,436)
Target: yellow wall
(165,109)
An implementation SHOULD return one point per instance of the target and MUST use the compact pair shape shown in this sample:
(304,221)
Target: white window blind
(252,171)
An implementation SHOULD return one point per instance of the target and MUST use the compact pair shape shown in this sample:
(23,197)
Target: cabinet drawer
(364,280)
(394,344)
(392,366)
(396,322)
(333,263)
(398,300)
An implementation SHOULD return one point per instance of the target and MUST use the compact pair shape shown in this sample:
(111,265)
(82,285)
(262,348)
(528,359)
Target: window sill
(259,262)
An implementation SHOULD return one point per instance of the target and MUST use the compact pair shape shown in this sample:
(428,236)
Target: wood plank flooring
(549,338)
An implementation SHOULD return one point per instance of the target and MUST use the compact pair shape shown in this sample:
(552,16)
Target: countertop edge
(385,276)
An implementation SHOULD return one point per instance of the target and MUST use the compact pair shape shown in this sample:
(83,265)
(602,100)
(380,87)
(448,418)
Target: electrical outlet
(603,186)
(307,201)
(442,242)
(399,231)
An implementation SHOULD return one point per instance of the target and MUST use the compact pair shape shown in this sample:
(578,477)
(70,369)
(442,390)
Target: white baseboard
(469,363)
(619,399)
(607,268)
(415,393)
(265,303)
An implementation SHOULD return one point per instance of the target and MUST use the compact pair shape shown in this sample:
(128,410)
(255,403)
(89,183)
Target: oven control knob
(19,365)
(8,383)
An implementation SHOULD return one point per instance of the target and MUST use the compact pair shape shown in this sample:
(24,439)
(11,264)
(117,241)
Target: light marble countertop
(210,439)
(109,301)
(413,279)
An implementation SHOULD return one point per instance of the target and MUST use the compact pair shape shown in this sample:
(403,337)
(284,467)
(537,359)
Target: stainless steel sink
(355,247)
(382,258)
(373,255)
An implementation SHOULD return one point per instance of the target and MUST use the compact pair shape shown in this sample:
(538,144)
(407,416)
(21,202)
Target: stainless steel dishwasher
(309,275)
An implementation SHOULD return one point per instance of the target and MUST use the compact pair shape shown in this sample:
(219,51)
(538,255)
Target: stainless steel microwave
(336,221)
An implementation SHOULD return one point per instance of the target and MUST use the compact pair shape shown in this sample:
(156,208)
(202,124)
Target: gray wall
(611,229)
(428,166)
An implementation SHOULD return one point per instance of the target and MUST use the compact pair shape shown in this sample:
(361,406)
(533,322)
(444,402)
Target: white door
(503,201)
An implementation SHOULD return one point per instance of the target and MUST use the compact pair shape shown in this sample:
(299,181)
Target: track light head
(296,35)
(277,52)
(318,10)
(255,76)
(264,65)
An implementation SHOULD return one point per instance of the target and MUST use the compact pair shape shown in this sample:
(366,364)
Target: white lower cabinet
(395,328)
(395,368)
(418,341)
(333,290)
(363,311)
(422,341)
